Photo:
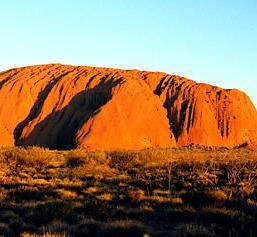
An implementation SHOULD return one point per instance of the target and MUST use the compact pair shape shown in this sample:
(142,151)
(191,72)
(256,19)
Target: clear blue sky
(212,41)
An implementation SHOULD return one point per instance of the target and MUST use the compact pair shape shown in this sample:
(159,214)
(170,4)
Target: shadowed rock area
(60,106)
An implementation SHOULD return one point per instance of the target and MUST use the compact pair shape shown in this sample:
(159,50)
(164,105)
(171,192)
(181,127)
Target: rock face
(59,106)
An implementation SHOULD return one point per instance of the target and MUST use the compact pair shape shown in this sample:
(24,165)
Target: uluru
(61,106)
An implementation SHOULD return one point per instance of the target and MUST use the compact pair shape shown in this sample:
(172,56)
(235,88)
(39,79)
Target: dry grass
(154,192)
(47,234)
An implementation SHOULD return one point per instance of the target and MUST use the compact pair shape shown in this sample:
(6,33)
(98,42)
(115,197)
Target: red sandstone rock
(60,106)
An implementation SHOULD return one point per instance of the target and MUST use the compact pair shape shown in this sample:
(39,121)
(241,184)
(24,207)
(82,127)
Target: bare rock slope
(60,106)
